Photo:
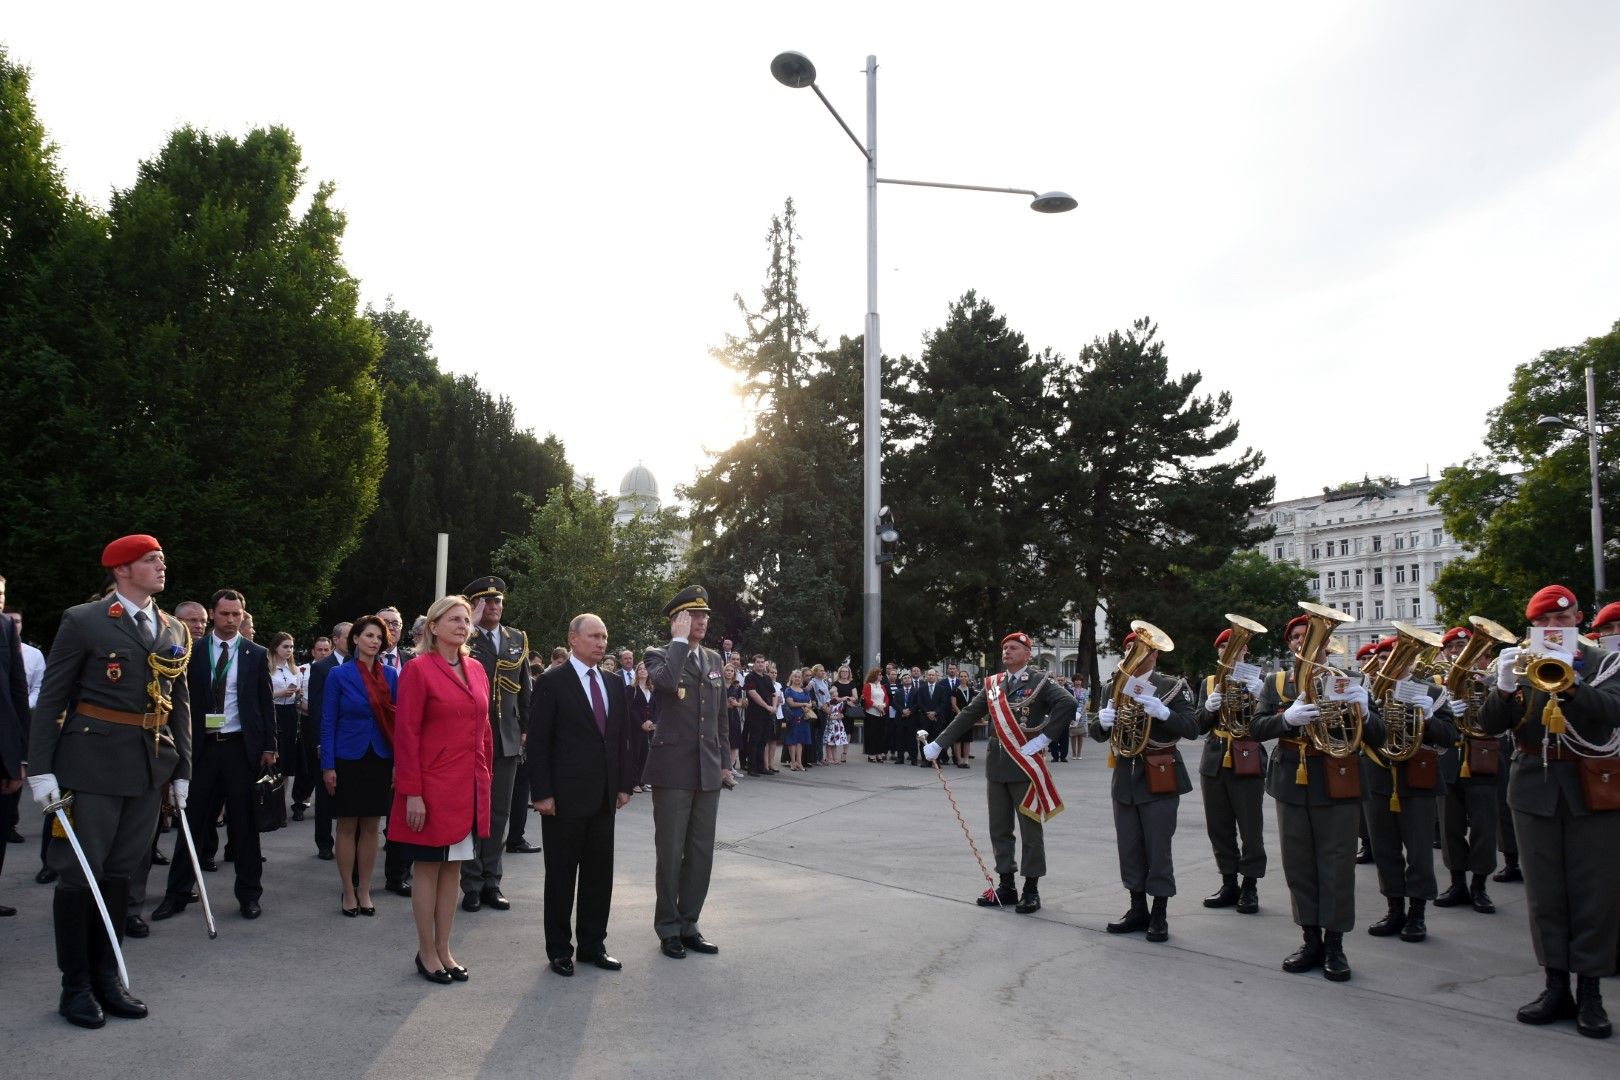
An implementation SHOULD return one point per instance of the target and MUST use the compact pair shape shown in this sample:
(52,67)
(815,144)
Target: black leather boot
(1555,1002)
(71,910)
(1479,897)
(1133,920)
(1457,894)
(1226,895)
(1415,929)
(1308,955)
(1391,923)
(1509,871)
(1158,921)
(114,999)
(1364,854)
(1590,1019)
(1248,898)
(1003,895)
(1030,902)
(1335,968)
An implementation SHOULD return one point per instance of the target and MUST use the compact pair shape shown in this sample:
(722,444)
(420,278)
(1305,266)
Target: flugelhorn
(1132,724)
(1403,722)
(1463,677)
(1336,731)
(1237,704)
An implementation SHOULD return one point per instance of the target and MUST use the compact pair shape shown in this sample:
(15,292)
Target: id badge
(213,721)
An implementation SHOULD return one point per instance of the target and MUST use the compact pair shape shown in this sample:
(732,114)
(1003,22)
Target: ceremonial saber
(59,808)
(922,739)
(196,872)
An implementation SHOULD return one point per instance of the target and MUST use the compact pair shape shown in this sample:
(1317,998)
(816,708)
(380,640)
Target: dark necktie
(598,704)
(141,619)
(390,660)
(221,666)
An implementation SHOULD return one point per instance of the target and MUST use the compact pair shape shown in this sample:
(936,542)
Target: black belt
(222,736)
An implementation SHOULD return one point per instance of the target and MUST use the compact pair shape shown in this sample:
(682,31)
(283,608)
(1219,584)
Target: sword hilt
(60,804)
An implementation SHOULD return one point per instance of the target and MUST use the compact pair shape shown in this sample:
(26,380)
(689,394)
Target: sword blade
(196,872)
(60,809)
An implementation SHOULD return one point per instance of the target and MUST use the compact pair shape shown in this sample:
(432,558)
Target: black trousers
(8,821)
(519,816)
(306,770)
(579,881)
(221,770)
(903,737)
(757,731)
(288,741)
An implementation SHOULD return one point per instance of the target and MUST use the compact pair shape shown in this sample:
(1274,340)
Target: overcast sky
(1356,217)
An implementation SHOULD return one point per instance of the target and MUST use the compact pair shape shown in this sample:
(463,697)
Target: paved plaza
(850,947)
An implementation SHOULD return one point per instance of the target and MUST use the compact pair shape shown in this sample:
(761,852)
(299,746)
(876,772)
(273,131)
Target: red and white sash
(1041,802)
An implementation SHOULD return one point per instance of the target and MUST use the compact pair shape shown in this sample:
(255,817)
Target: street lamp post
(794,70)
(1599,584)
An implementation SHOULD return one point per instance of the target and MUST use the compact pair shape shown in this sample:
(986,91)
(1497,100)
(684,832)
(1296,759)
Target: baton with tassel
(196,872)
(922,740)
(59,808)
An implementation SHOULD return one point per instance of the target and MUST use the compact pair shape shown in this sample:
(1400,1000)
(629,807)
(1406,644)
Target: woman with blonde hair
(442,751)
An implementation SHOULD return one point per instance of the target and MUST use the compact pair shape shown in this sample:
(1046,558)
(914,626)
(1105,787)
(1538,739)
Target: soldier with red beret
(1232,775)
(1468,810)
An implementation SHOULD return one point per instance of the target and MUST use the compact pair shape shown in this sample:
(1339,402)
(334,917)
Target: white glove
(1213,702)
(1426,707)
(1300,713)
(1105,717)
(1253,686)
(1506,681)
(182,788)
(43,788)
(1457,707)
(1152,706)
(1358,694)
(1035,746)
(932,751)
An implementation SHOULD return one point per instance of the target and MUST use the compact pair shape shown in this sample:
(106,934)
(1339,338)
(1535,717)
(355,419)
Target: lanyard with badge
(214,721)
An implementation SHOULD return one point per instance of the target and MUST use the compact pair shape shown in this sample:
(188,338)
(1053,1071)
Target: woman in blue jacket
(357,756)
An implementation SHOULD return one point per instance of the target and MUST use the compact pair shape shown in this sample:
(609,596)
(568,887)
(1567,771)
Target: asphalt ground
(842,903)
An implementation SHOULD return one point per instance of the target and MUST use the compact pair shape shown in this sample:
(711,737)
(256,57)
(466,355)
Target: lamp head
(1054,202)
(1552,421)
(793,70)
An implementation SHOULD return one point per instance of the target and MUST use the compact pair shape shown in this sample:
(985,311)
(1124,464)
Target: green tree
(1528,529)
(572,558)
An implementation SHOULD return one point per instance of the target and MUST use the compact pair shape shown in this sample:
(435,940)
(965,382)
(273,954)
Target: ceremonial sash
(1041,802)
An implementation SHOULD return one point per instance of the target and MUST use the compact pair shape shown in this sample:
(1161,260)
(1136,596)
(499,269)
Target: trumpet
(1237,704)
(1549,674)
(1403,722)
(1132,725)
(1463,677)
(1336,732)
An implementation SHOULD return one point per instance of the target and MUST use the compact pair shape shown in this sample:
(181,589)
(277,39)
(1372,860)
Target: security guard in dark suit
(1567,838)
(112,726)
(504,652)
(1232,775)
(1144,819)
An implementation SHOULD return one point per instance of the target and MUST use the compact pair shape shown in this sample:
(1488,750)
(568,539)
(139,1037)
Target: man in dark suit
(934,704)
(907,703)
(13,714)
(233,731)
(318,671)
(578,780)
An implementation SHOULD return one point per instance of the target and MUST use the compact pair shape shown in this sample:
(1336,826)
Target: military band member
(1568,835)
(1316,823)
(504,652)
(1025,708)
(1232,774)
(1606,623)
(1147,792)
(1402,806)
(115,680)
(1468,807)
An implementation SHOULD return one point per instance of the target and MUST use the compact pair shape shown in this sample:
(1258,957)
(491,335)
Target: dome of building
(638,483)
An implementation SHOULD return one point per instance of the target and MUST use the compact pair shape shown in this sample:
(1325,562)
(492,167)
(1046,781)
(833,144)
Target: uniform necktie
(221,665)
(598,704)
(390,660)
(141,620)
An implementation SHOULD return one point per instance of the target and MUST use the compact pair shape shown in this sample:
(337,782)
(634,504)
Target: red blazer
(442,750)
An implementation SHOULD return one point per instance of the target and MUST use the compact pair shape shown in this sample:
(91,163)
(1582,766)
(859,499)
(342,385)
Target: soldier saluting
(115,678)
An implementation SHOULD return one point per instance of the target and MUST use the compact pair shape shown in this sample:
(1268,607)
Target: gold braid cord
(505,683)
(164,668)
(966,832)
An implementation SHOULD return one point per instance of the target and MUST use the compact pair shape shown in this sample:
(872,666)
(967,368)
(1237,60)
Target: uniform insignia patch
(115,670)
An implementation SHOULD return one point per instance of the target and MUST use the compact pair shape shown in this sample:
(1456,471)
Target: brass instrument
(1549,674)
(1132,724)
(1403,722)
(1463,677)
(1336,732)
(1237,704)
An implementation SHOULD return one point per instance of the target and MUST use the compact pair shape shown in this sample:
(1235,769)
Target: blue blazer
(348,727)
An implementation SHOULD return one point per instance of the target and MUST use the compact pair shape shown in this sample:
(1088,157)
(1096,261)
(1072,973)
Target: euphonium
(1336,731)
(1463,677)
(1403,722)
(1237,704)
(1132,725)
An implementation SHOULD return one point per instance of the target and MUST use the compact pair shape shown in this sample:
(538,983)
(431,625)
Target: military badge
(116,611)
(680,693)
(115,670)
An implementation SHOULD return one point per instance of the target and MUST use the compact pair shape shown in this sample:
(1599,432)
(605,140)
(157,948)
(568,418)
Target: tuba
(1132,725)
(1463,677)
(1403,723)
(1336,732)
(1237,705)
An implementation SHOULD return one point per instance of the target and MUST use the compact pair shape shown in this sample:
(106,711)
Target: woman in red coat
(442,751)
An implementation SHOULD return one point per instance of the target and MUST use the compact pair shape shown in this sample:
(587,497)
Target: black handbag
(270,801)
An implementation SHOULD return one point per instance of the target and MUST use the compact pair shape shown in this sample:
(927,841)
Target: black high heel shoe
(457,973)
(442,977)
(350,912)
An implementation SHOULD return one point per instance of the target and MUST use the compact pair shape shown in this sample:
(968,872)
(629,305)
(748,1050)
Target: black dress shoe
(116,1001)
(1414,929)
(7,912)
(1335,968)
(471,901)
(298,812)
(1554,1003)
(494,899)
(250,909)
(603,961)
(457,973)
(699,943)
(81,1009)
(440,976)
(1393,920)
(45,876)
(1226,895)
(135,926)
(1590,1019)
(1248,898)
(159,859)
(1308,956)
(399,888)
(1003,895)
(562,966)
(1480,898)
(211,866)
(169,905)
(324,854)
(14,837)
(672,948)
(522,847)
(1510,872)
(1364,855)
(1030,902)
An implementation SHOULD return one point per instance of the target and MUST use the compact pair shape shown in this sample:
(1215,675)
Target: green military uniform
(1233,805)
(1468,821)
(504,652)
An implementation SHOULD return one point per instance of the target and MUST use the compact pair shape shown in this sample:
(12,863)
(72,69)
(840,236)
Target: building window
(1400,607)
(1378,543)
(1415,538)
(1378,575)
(1417,608)
(1438,566)
(1316,585)
(1344,547)
(1279,550)
(1358,579)
(1400,541)
(1400,575)
(1358,609)
(1378,611)
(1316,552)
(1439,537)
(1415,568)
(1333,580)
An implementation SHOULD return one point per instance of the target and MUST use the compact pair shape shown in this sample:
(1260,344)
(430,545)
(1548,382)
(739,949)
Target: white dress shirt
(230,707)
(584,672)
(33,671)
(149,636)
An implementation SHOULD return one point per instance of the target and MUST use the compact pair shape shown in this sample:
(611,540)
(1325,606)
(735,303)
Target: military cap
(693,598)
(1552,598)
(484,588)
(126,549)
(1609,614)
(1020,637)
(1456,633)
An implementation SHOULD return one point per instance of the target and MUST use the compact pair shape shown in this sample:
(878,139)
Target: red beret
(126,549)
(1552,598)
(1387,644)
(1366,650)
(1020,637)
(1609,614)
(1224,637)
(1456,633)
(1129,638)
(1297,620)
